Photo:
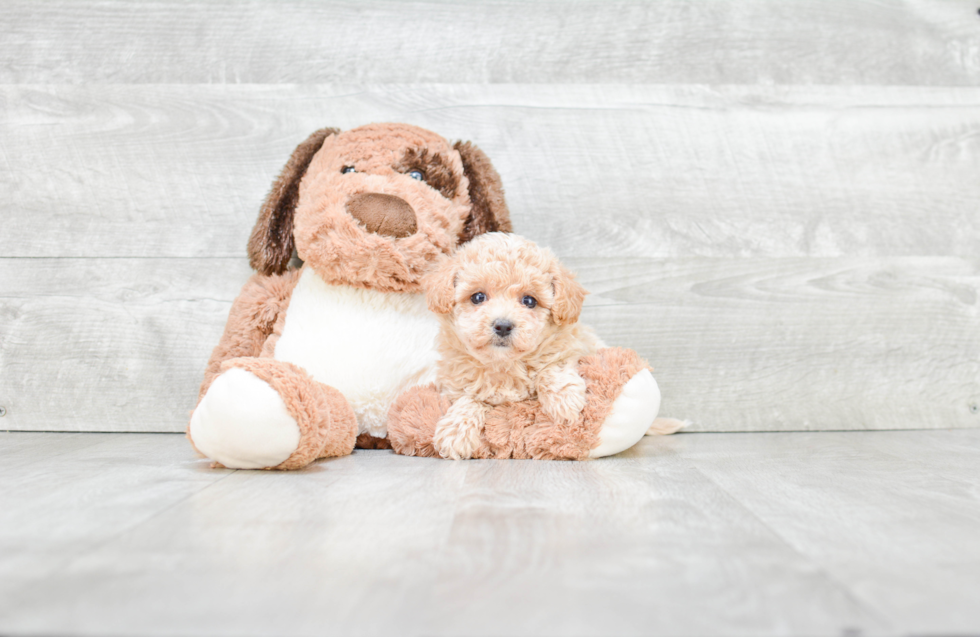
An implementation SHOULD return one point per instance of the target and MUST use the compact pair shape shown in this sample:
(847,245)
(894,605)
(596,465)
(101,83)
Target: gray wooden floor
(697,534)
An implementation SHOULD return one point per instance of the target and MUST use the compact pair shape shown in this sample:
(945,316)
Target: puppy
(509,332)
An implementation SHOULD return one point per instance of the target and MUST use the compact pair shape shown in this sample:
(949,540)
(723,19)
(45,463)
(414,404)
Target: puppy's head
(502,296)
(374,206)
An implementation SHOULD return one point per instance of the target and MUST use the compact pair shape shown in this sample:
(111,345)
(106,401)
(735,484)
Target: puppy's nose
(383,214)
(502,328)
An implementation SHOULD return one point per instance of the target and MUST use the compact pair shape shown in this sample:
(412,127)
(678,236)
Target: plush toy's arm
(252,318)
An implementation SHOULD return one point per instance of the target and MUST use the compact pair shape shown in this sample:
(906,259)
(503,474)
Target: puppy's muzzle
(383,214)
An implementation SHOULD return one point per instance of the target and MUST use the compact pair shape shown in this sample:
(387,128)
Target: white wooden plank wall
(776,203)
(856,42)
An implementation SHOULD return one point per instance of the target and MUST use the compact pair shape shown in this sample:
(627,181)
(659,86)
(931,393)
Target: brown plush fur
(489,211)
(252,319)
(271,244)
(383,247)
(436,170)
(460,196)
(412,421)
(383,214)
(388,150)
(367,441)
(326,422)
(521,430)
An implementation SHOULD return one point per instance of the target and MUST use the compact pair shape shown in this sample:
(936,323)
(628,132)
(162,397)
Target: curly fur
(480,368)
(521,430)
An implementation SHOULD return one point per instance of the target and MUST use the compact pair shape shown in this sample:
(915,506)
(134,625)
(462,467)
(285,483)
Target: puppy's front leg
(458,434)
(561,392)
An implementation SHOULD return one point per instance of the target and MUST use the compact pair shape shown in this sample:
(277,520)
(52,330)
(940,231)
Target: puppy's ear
(569,295)
(440,286)
(488,212)
(271,244)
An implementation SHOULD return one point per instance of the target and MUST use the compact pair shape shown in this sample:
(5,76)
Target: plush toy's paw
(565,405)
(243,423)
(460,432)
(632,414)
(261,413)
(412,420)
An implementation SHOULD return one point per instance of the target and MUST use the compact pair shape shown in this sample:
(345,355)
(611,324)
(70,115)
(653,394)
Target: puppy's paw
(565,405)
(457,436)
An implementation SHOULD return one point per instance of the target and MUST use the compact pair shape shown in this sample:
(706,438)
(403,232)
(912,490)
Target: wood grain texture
(737,344)
(913,42)
(73,493)
(775,203)
(377,544)
(798,344)
(887,516)
(646,171)
(825,533)
(612,547)
(257,553)
(109,344)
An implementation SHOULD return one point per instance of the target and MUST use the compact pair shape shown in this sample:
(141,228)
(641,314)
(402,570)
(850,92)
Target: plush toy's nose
(383,214)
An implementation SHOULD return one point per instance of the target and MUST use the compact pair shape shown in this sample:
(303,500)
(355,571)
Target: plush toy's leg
(625,398)
(261,413)
(622,400)
(412,421)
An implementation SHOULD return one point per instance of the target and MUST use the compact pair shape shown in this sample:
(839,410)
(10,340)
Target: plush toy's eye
(478,298)
(416,175)
(529,301)
(348,169)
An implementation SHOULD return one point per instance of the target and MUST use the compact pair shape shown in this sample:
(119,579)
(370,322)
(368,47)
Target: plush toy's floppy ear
(440,286)
(271,244)
(569,295)
(489,210)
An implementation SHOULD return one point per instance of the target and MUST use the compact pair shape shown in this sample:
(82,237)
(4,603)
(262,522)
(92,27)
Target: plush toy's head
(373,206)
(502,296)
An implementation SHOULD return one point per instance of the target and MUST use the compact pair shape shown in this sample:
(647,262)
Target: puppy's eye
(416,175)
(478,298)
(347,169)
(529,301)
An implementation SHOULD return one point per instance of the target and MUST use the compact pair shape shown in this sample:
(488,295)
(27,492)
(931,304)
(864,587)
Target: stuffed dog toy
(316,359)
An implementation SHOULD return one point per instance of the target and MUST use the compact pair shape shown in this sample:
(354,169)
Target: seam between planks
(820,567)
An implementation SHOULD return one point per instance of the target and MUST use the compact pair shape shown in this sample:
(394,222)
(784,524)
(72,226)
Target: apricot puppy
(509,332)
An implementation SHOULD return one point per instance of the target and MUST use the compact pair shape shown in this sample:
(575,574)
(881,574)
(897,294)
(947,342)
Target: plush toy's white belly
(369,345)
